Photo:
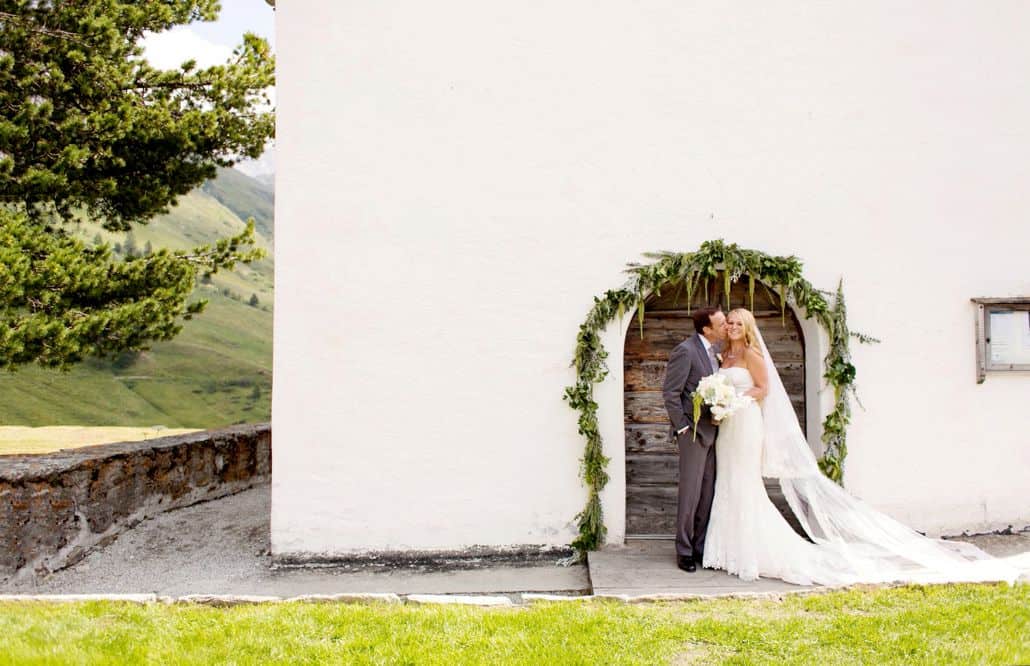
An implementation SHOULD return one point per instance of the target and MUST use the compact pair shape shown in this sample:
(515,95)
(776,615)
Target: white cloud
(262,167)
(169,49)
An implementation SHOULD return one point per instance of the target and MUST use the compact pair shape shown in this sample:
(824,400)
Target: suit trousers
(695,492)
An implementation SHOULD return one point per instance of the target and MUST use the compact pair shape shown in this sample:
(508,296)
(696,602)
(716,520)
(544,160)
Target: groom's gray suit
(688,363)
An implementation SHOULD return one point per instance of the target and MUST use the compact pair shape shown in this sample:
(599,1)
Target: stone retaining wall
(55,507)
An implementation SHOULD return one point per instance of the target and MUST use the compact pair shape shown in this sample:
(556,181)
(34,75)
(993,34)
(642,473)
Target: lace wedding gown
(747,535)
(851,542)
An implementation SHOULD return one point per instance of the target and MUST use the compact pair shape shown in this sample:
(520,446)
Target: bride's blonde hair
(750,328)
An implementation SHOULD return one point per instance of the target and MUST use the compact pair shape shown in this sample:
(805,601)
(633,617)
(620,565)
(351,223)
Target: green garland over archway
(690,271)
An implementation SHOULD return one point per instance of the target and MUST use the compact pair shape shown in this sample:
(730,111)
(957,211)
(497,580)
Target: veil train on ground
(873,546)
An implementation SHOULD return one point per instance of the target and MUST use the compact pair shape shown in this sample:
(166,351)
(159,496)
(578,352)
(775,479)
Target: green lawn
(959,624)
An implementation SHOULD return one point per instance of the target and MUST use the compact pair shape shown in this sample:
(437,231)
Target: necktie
(711,357)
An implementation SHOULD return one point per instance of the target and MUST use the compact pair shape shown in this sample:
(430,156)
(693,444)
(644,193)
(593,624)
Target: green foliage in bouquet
(690,272)
(697,400)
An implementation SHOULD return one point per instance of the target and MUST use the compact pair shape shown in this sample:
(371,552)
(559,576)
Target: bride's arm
(756,366)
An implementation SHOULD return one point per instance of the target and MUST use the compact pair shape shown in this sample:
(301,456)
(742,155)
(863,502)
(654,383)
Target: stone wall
(55,507)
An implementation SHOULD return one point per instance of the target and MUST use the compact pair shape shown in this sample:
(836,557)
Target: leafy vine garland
(690,271)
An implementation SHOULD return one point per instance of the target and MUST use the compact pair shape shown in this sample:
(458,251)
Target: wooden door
(652,463)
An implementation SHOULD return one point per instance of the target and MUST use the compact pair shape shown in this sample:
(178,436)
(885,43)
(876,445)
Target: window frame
(984,308)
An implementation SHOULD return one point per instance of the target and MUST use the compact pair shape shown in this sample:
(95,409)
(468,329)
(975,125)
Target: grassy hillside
(244,196)
(217,372)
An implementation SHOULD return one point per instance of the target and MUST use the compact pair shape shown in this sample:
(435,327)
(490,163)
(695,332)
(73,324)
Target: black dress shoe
(686,563)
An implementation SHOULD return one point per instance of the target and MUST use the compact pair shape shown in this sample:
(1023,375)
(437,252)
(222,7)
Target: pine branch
(29,25)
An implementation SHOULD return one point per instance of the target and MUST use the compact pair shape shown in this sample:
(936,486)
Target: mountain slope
(244,196)
(218,371)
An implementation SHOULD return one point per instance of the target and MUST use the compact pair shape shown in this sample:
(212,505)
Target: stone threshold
(471,557)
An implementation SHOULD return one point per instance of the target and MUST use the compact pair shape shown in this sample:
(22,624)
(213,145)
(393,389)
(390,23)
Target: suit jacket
(688,363)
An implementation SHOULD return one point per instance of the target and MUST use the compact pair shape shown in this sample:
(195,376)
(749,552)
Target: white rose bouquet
(718,392)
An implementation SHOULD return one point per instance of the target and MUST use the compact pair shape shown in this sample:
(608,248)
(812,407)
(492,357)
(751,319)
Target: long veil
(872,546)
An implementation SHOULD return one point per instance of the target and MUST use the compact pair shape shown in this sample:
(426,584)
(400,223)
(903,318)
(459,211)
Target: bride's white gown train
(747,535)
(851,542)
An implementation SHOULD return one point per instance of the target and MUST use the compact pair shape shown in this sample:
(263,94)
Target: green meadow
(47,439)
(217,372)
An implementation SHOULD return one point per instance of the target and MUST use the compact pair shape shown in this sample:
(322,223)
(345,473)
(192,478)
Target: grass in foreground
(23,439)
(958,624)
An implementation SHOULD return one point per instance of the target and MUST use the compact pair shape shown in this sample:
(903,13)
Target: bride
(850,541)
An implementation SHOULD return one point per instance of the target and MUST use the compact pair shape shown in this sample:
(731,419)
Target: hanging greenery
(690,271)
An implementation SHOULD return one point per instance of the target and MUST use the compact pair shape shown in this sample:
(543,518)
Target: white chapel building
(459,179)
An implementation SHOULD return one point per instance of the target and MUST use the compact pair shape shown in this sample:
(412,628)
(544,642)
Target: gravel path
(215,544)
(222,547)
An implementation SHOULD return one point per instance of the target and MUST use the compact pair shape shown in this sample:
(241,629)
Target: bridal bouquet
(718,392)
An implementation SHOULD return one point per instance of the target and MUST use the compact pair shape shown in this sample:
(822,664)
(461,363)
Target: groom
(691,360)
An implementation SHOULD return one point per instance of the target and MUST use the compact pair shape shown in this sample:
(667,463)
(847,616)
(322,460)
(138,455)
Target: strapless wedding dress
(747,536)
(852,543)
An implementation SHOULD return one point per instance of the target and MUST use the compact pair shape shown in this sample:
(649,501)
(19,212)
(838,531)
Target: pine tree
(88,122)
(130,245)
(63,301)
(88,125)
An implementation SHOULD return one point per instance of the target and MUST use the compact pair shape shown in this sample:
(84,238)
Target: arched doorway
(652,469)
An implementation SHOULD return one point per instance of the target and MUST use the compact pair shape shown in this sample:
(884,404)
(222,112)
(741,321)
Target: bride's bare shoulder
(755,365)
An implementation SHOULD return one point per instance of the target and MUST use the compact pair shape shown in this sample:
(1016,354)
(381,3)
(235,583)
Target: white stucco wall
(458,179)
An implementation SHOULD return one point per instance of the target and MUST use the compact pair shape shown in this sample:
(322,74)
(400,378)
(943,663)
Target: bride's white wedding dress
(851,542)
(747,536)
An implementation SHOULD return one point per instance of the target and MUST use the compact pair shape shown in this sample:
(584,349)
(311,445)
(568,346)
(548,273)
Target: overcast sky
(212,44)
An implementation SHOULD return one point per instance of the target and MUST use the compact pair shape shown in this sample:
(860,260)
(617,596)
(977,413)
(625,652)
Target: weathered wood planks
(657,514)
(652,470)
